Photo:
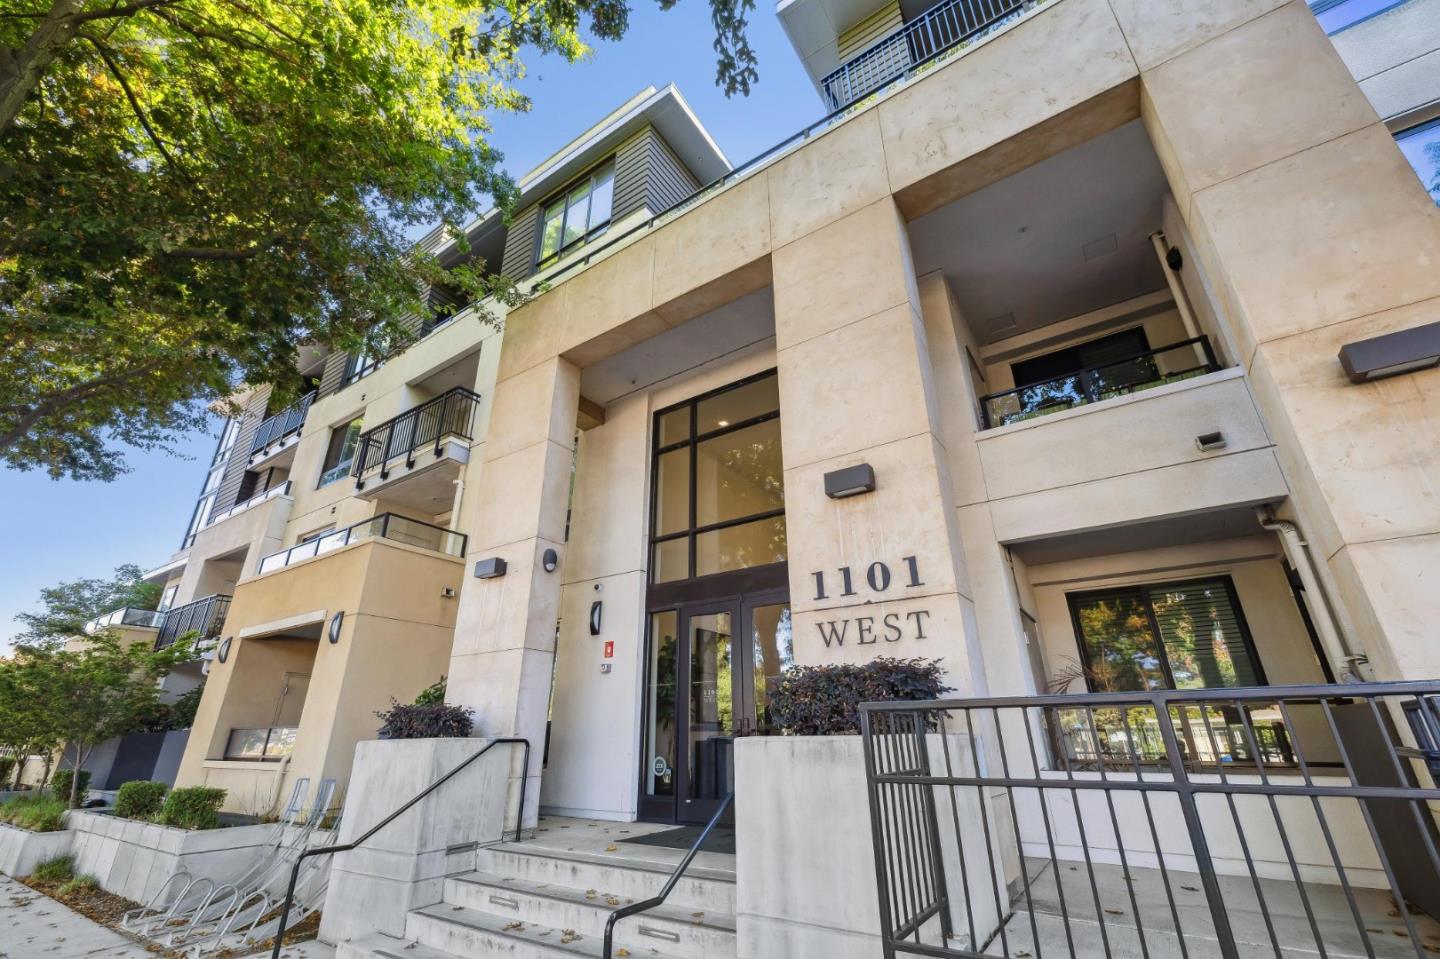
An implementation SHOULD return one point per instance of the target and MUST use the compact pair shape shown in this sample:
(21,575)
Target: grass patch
(38,813)
(83,894)
(59,870)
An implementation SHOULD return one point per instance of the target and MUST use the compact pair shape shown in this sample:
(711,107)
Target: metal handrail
(283,423)
(1084,377)
(205,616)
(648,904)
(347,846)
(357,532)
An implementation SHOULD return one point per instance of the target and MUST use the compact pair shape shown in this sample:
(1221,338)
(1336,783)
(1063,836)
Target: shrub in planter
(425,721)
(60,784)
(825,700)
(37,812)
(195,807)
(59,869)
(140,799)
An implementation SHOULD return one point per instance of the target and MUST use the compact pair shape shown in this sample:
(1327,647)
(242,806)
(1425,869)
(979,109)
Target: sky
(64,530)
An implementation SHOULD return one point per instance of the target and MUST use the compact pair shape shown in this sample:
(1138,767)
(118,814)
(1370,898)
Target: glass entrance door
(709,668)
(712,665)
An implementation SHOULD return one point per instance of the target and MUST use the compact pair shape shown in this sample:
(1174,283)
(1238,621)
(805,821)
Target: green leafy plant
(182,711)
(59,869)
(432,695)
(7,766)
(194,807)
(37,812)
(427,721)
(825,700)
(64,784)
(140,799)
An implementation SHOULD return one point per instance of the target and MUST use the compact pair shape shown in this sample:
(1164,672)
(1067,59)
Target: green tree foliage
(193,188)
(82,697)
(67,607)
(24,722)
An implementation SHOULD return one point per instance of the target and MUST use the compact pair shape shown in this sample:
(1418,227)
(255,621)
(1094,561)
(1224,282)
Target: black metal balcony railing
(938,29)
(391,526)
(1167,364)
(206,617)
(450,414)
(282,424)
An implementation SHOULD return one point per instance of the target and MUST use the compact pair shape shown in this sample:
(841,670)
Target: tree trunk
(20,70)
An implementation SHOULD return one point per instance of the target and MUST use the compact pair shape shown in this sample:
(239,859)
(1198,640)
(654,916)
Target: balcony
(1167,364)
(125,617)
(943,27)
(280,433)
(414,459)
(205,617)
(390,526)
(282,490)
(266,744)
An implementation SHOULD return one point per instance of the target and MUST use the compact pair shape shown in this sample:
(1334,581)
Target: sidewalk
(34,926)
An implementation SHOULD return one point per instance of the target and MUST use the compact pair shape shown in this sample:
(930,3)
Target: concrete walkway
(34,926)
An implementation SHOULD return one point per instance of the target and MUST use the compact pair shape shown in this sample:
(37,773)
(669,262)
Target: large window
(1187,635)
(1421,146)
(577,215)
(340,452)
(719,483)
(211,489)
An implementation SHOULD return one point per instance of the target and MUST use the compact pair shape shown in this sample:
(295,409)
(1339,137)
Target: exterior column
(1315,233)
(880,573)
(504,649)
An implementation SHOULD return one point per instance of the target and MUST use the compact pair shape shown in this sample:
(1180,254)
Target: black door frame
(740,592)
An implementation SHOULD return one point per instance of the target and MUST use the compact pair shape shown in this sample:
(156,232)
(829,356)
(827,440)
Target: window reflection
(1421,146)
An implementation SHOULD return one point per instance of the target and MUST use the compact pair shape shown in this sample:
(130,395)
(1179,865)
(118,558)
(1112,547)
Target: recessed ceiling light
(724,423)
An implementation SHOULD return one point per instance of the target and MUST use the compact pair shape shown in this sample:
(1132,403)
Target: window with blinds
(1188,635)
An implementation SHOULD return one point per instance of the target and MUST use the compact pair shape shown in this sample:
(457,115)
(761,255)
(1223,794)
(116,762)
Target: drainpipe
(1344,663)
(459,482)
(1182,302)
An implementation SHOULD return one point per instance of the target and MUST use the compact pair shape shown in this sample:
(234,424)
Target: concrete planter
(134,859)
(22,850)
(804,863)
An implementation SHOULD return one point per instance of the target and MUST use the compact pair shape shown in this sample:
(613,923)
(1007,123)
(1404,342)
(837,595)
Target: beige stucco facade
(1301,229)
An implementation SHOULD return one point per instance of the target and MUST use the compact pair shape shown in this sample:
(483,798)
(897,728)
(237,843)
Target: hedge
(140,799)
(195,807)
(825,700)
(60,784)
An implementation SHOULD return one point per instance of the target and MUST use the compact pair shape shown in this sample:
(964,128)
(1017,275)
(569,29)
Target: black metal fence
(1134,374)
(282,424)
(452,413)
(204,616)
(943,26)
(1245,822)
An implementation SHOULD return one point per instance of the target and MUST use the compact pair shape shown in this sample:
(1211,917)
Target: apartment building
(1090,346)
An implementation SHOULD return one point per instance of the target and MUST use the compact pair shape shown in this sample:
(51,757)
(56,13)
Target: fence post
(1204,864)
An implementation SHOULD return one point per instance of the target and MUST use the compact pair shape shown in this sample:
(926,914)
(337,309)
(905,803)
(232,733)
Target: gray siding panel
(670,181)
(632,163)
(519,259)
(227,493)
(333,373)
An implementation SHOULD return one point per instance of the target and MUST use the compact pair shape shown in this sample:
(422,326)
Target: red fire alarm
(609,648)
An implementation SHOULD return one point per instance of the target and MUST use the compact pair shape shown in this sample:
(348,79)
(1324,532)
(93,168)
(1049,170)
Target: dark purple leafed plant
(425,721)
(825,700)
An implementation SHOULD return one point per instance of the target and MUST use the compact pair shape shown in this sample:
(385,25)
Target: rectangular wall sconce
(1209,442)
(491,568)
(850,481)
(1403,351)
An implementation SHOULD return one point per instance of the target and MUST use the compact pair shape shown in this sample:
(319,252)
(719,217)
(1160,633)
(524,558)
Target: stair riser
(707,894)
(697,941)
(476,943)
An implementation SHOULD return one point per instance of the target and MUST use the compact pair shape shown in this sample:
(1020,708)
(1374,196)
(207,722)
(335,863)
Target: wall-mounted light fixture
(850,481)
(491,568)
(595,611)
(335,622)
(550,559)
(1403,351)
(223,653)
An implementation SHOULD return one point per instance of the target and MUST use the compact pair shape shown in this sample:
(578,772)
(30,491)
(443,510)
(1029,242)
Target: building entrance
(718,600)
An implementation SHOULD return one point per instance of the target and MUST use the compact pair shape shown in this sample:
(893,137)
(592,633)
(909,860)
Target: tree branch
(135,106)
(57,402)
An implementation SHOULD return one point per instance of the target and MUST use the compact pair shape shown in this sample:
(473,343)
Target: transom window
(719,483)
(1187,635)
(579,214)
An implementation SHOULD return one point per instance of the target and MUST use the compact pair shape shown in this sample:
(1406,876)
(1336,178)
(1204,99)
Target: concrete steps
(531,901)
